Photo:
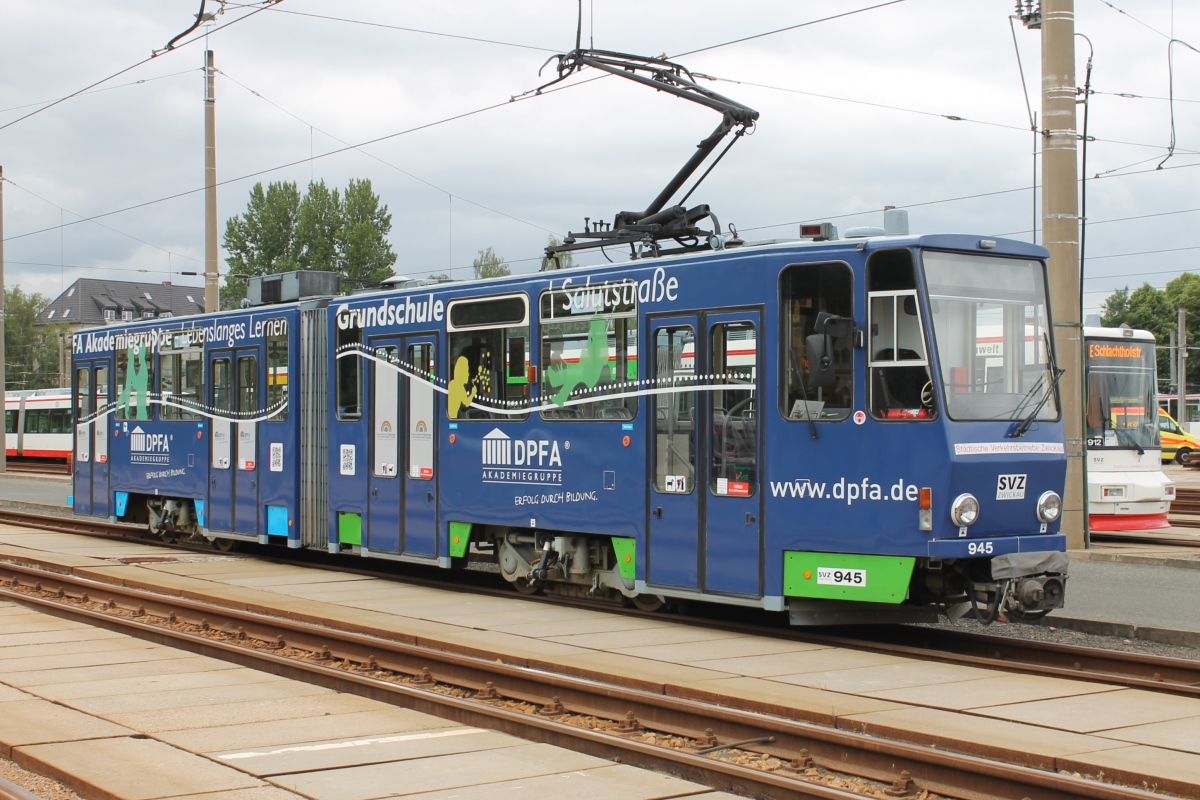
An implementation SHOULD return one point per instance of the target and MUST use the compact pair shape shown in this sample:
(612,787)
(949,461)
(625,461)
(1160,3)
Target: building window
(110,314)
(127,315)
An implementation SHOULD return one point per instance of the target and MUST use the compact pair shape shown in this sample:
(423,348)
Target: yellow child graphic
(457,396)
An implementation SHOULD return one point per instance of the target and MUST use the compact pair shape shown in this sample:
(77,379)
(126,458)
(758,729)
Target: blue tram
(806,426)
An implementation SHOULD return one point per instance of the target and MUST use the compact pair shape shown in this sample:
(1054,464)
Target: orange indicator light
(628,559)
(926,498)
(452,438)
(625,441)
(808,574)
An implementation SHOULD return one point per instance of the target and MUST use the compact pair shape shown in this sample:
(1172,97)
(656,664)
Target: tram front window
(1121,407)
(991,329)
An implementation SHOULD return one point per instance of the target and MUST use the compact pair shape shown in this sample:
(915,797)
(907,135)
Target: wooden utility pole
(211,298)
(1060,226)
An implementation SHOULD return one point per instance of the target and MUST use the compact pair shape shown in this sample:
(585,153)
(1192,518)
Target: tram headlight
(1049,507)
(964,510)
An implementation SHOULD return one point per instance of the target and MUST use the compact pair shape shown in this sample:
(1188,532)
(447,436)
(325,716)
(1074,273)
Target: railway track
(1132,670)
(757,749)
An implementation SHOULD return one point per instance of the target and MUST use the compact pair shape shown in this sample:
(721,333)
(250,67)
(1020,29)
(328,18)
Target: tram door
(402,513)
(420,487)
(383,516)
(233,473)
(91,438)
(704,529)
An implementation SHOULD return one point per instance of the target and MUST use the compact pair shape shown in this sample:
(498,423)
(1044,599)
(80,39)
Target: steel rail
(1135,670)
(987,773)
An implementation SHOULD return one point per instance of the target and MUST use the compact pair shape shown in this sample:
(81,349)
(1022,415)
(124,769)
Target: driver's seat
(900,387)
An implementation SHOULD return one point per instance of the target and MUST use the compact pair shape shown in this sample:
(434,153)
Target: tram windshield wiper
(1021,429)
(1129,439)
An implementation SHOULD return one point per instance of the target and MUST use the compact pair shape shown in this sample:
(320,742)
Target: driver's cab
(900,386)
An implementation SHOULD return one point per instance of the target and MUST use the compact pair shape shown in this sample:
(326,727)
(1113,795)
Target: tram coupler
(1037,580)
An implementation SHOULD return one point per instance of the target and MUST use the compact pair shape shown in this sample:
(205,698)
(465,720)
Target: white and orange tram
(37,425)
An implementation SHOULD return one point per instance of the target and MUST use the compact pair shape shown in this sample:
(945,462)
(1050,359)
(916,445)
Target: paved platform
(1043,722)
(117,718)
(24,489)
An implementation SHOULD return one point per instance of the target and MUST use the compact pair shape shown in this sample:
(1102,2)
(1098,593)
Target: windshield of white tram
(1122,407)
(991,330)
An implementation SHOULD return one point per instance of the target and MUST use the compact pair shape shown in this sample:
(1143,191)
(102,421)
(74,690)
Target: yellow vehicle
(1177,444)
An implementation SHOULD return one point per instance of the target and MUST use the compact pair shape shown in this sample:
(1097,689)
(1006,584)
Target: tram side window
(489,359)
(735,421)
(900,386)
(181,383)
(277,378)
(247,403)
(589,353)
(10,421)
(349,374)
(806,291)
(222,385)
(674,405)
(83,394)
(47,420)
(135,377)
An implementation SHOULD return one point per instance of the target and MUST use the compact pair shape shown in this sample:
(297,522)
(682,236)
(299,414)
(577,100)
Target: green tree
(30,348)
(489,265)
(1184,292)
(1156,310)
(565,260)
(263,240)
(362,247)
(282,231)
(317,222)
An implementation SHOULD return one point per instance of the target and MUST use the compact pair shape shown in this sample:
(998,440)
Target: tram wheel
(648,602)
(225,545)
(523,586)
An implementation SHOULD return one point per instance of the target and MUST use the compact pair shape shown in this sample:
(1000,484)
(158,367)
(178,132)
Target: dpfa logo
(148,448)
(497,449)
(535,462)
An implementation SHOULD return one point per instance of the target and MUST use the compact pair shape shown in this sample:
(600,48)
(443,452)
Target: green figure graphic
(137,378)
(457,395)
(588,371)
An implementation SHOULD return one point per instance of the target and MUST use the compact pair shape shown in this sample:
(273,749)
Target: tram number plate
(829,576)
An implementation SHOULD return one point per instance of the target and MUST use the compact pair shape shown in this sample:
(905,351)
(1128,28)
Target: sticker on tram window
(347,459)
(829,576)
(739,488)
(1010,487)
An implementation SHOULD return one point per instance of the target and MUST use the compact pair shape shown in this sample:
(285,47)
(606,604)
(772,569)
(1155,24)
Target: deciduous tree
(489,265)
(282,231)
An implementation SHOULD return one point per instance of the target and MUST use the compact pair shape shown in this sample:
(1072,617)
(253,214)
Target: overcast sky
(853,118)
